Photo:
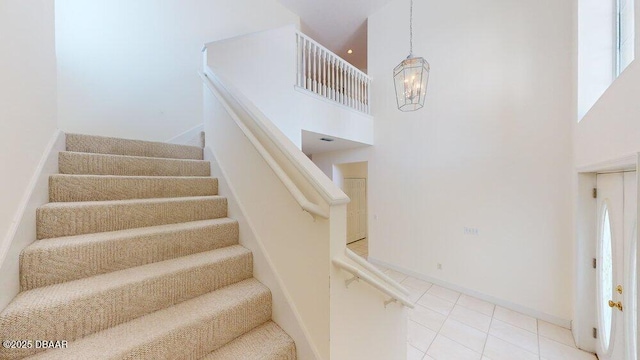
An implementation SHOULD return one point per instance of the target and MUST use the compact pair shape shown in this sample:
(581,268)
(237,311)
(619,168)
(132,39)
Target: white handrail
(324,49)
(359,274)
(324,73)
(308,206)
(367,265)
(315,180)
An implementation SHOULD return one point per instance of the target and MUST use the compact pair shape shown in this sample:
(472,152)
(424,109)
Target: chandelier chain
(411,29)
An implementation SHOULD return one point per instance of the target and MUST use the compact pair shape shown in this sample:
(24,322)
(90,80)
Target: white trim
(330,101)
(500,302)
(27,197)
(210,155)
(627,162)
(187,137)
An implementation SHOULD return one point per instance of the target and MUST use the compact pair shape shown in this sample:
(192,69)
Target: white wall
(357,170)
(129,68)
(263,67)
(27,102)
(490,150)
(611,130)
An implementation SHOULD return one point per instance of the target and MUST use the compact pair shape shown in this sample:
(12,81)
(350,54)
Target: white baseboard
(190,137)
(22,230)
(500,302)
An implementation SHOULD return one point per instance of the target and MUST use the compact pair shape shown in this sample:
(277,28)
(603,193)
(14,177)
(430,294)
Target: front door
(616,290)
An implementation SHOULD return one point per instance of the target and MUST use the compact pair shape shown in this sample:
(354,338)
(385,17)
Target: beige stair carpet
(136,259)
(74,257)
(76,218)
(98,164)
(67,188)
(115,146)
(266,342)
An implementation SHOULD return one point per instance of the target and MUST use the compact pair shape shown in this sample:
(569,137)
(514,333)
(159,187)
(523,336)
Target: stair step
(58,260)
(71,188)
(266,342)
(189,330)
(116,146)
(78,308)
(100,164)
(76,218)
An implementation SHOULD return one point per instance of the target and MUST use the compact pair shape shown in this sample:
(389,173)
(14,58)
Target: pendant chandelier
(411,77)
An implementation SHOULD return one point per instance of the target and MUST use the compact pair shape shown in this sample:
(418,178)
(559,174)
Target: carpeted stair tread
(117,146)
(266,342)
(57,260)
(136,259)
(71,188)
(101,164)
(189,330)
(76,218)
(78,308)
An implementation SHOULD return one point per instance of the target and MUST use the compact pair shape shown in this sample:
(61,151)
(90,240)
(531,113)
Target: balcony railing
(325,74)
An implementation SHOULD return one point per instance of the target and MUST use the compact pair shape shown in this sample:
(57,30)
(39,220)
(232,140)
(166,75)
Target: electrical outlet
(439,266)
(471,231)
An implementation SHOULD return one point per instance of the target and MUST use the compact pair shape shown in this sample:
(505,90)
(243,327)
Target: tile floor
(447,325)
(360,247)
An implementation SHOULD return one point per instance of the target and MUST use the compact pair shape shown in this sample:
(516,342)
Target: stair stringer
(22,231)
(284,312)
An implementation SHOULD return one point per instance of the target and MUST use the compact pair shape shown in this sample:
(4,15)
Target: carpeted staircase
(136,259)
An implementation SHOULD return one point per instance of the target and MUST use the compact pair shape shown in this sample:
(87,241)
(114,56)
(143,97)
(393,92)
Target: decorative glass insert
(606,280)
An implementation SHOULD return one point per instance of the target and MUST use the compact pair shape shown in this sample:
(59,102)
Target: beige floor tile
(444,293)
(427,317)
(436,304)
(419,336)
(497,349)
(555,333)
(447,349)
(471,318)
(395,275)
(514,335)
(475,304)
(464,334)
(552,350)
(413,353)
(516,319)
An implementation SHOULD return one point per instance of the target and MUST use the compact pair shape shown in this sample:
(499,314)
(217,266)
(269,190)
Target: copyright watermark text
(35,344)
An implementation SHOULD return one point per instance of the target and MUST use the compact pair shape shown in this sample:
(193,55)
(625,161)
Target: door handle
(617,305)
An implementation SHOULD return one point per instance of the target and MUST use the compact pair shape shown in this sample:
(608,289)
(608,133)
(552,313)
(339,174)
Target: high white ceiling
(339,25)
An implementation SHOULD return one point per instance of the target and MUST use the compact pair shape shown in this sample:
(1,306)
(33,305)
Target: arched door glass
(606,279)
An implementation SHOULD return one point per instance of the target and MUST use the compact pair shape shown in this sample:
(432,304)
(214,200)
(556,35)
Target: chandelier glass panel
(411,77)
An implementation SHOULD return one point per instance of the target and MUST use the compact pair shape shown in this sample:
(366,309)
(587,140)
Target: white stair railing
(394,295)
(325,74)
